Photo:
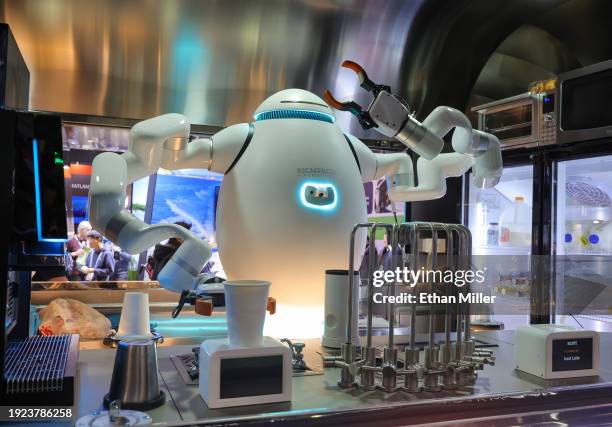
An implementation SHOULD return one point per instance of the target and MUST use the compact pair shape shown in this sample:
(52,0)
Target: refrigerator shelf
(587,252)
(580,213)
(502,250)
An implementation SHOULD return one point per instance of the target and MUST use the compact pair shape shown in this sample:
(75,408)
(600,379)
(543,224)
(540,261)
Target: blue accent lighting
(294,114)
(323,208)
(37,190)
(594,239)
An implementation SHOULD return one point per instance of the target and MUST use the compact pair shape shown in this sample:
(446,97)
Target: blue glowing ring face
(318,195)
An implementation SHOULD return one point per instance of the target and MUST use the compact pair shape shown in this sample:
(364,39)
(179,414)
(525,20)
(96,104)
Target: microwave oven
(525,120)
(584,102)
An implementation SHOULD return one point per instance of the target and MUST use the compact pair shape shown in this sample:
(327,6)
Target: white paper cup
(246,302)
(135,322)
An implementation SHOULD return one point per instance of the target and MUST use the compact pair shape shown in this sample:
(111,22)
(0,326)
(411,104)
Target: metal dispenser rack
(445,366)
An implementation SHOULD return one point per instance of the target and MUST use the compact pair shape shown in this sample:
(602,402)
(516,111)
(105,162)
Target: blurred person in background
(100,262)
(364,268)
(385,259)
(76,247)
(382,203)
(163,252)
(122,263)
(57,273)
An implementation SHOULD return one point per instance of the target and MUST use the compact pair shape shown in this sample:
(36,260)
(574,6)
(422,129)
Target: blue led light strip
(294,114)
(37,195)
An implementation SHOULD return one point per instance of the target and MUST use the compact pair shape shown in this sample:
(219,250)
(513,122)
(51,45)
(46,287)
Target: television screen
(139,197)
(190,195)
(77,187)
(79,209)
(187,195)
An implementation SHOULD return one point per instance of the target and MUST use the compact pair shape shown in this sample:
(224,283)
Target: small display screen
(572,354)
(587,101)
(548,103)
(251,376)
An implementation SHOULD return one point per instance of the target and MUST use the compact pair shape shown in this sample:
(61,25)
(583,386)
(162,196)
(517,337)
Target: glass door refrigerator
(583,240)
(557,142)
(500,220)
(582,198)
(505,220)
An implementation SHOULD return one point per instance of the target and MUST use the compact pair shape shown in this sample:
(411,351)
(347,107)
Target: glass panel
(511,123)
(187,196)
(586,102)
(99,138)
(583,236)
(500,221)
(500,217)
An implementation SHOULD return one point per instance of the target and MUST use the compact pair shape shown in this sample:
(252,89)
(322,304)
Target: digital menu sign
(572,354)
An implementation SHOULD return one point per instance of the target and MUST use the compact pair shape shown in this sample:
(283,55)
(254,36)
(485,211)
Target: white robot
(292,189)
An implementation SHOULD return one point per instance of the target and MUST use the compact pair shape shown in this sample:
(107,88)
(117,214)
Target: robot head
(294,104)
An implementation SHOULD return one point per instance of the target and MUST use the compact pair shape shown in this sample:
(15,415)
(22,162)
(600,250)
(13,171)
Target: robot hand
(390,116)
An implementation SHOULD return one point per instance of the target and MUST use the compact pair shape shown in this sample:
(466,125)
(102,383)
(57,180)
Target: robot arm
(398,166)
(158,142)
(472,147)
(391,117)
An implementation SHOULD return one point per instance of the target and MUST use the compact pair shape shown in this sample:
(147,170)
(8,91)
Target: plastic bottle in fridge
(600,237)
(492,234)
(515,224)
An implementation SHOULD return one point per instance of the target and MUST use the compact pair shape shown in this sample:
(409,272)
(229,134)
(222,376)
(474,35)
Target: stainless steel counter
(317,397)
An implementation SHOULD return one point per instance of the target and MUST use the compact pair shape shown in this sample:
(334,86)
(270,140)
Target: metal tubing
(391,293)
(347,377)
(419,226)
(450,256)
(390,307)
(462,254)
(389,369)
(351,268)
(367,379)
(433,259)
(438,361)
(435,228)
(430,382)
(411,380)
(468,257)
(395,263)
(372,267)
(465,249)
(413,264)
(349,364)
(389,374)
